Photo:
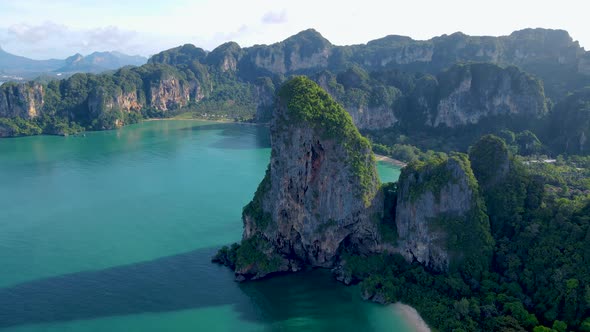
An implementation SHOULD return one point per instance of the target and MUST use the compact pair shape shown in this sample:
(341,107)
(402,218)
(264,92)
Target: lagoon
(114,231)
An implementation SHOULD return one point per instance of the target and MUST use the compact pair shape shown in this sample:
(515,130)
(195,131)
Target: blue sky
(58,28)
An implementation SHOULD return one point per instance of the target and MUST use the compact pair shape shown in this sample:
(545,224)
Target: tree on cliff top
(308,103)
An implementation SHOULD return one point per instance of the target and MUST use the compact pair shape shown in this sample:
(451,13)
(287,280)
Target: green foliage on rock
(257,252)
(307,103)
(18,127)
(489,158)
(254,209)
(468,238)
(538,279)
(569,127)
(433,174)
(181,55)
(227,256)
(253,255)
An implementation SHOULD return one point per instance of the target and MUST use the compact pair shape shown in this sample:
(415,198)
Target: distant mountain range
(13,67)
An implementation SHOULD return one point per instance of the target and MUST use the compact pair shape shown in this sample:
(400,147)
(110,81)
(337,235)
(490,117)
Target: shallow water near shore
(114,231)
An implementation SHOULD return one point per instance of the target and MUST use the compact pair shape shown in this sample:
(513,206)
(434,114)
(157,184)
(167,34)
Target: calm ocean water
(114,231)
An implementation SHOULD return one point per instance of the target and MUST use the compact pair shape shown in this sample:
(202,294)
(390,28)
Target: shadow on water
(184,281)
(311,300)
(165,284)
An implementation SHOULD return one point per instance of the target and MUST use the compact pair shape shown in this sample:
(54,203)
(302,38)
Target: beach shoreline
(389,160)
(204,120)
(192,119)
(411,316)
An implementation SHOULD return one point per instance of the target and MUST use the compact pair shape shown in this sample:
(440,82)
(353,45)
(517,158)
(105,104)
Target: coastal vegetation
(538,277)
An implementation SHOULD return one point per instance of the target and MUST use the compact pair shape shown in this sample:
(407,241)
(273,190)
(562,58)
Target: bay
(114,231)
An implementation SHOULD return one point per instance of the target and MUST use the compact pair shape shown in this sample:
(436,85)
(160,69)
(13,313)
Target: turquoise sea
(114,231)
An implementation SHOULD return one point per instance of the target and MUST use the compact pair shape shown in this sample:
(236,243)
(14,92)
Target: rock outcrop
(440,216)
(469,93)
(321,189)
(569,126)
(102,102)
(265,96)
(371,108)
(169,93)
(21,100)
(225,57)
(490,161)
(307,50)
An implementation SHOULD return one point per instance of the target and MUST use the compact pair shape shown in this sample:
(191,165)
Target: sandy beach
(411,316)
(386,159)
(193,119)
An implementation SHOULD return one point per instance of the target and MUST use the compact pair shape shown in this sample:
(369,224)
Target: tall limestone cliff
(170,93)
(21,100)
(569,126)
(321,189)
(102,101)
(265,95)
(305,51)
(470,93)
(371,106)
(392,82)
(543,52)
(225,57)
(441,218)
(507,187)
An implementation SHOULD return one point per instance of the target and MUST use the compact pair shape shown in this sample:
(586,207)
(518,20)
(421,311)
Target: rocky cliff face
(569,125)
(265,97)
(470,93)
(440,216)
(299,53)
(584,65)
(395,50)
(100,101)
(372,117)
(225,57)
(370,108)
(21,100)
(528,47)
(320,191)
(169,93)
(381,84)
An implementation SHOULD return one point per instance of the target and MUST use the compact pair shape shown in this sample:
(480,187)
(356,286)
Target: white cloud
(51,40)
(146,27)
(275,17)
(36,34)
(108,37)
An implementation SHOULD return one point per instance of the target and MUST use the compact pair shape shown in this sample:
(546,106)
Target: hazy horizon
(41,30)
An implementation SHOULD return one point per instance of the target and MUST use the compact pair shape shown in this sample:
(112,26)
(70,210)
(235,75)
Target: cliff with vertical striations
(321,189)
(441,217)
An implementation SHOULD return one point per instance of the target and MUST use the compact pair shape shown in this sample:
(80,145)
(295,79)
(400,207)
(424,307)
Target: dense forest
(537,277)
